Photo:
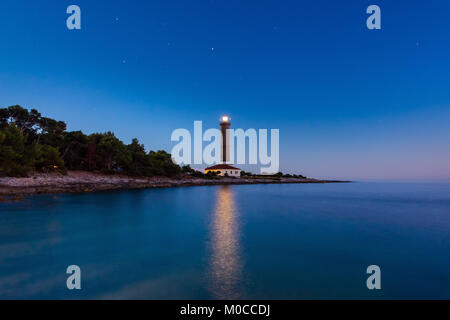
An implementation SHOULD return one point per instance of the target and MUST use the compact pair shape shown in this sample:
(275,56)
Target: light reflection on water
(244,242)
(225,260)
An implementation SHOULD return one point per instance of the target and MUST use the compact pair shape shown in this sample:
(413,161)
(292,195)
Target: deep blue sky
(349,102)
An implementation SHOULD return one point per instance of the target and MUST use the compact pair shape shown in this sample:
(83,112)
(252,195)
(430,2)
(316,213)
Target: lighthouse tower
(225,123)
(224,169)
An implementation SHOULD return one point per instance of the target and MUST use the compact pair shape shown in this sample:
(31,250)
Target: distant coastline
(88,182)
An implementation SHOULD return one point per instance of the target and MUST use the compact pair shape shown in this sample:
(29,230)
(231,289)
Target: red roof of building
(222,167)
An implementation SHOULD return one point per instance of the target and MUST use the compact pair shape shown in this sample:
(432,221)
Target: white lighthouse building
(224,169)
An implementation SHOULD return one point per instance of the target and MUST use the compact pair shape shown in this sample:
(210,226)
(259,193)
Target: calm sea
(295,241)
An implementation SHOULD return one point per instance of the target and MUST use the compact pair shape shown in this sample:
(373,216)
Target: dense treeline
(30,142)
(275,176)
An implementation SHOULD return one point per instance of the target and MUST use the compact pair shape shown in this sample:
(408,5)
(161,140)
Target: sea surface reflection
(226,259)
(311,241)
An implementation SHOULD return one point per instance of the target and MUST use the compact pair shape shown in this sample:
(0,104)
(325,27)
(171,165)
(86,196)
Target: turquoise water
(254,241)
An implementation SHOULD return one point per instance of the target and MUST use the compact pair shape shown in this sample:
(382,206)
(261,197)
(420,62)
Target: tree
(30,142)
(112,153)
(162,164)
(246,174)
(48,159)
(12,149)
(74,150)
(26,122)
(139,163)
(187,169)
(51,132)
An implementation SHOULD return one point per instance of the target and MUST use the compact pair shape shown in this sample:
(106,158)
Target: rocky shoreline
(86,182)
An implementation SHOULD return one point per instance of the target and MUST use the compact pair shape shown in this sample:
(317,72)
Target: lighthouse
(224,169)
(225,123)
